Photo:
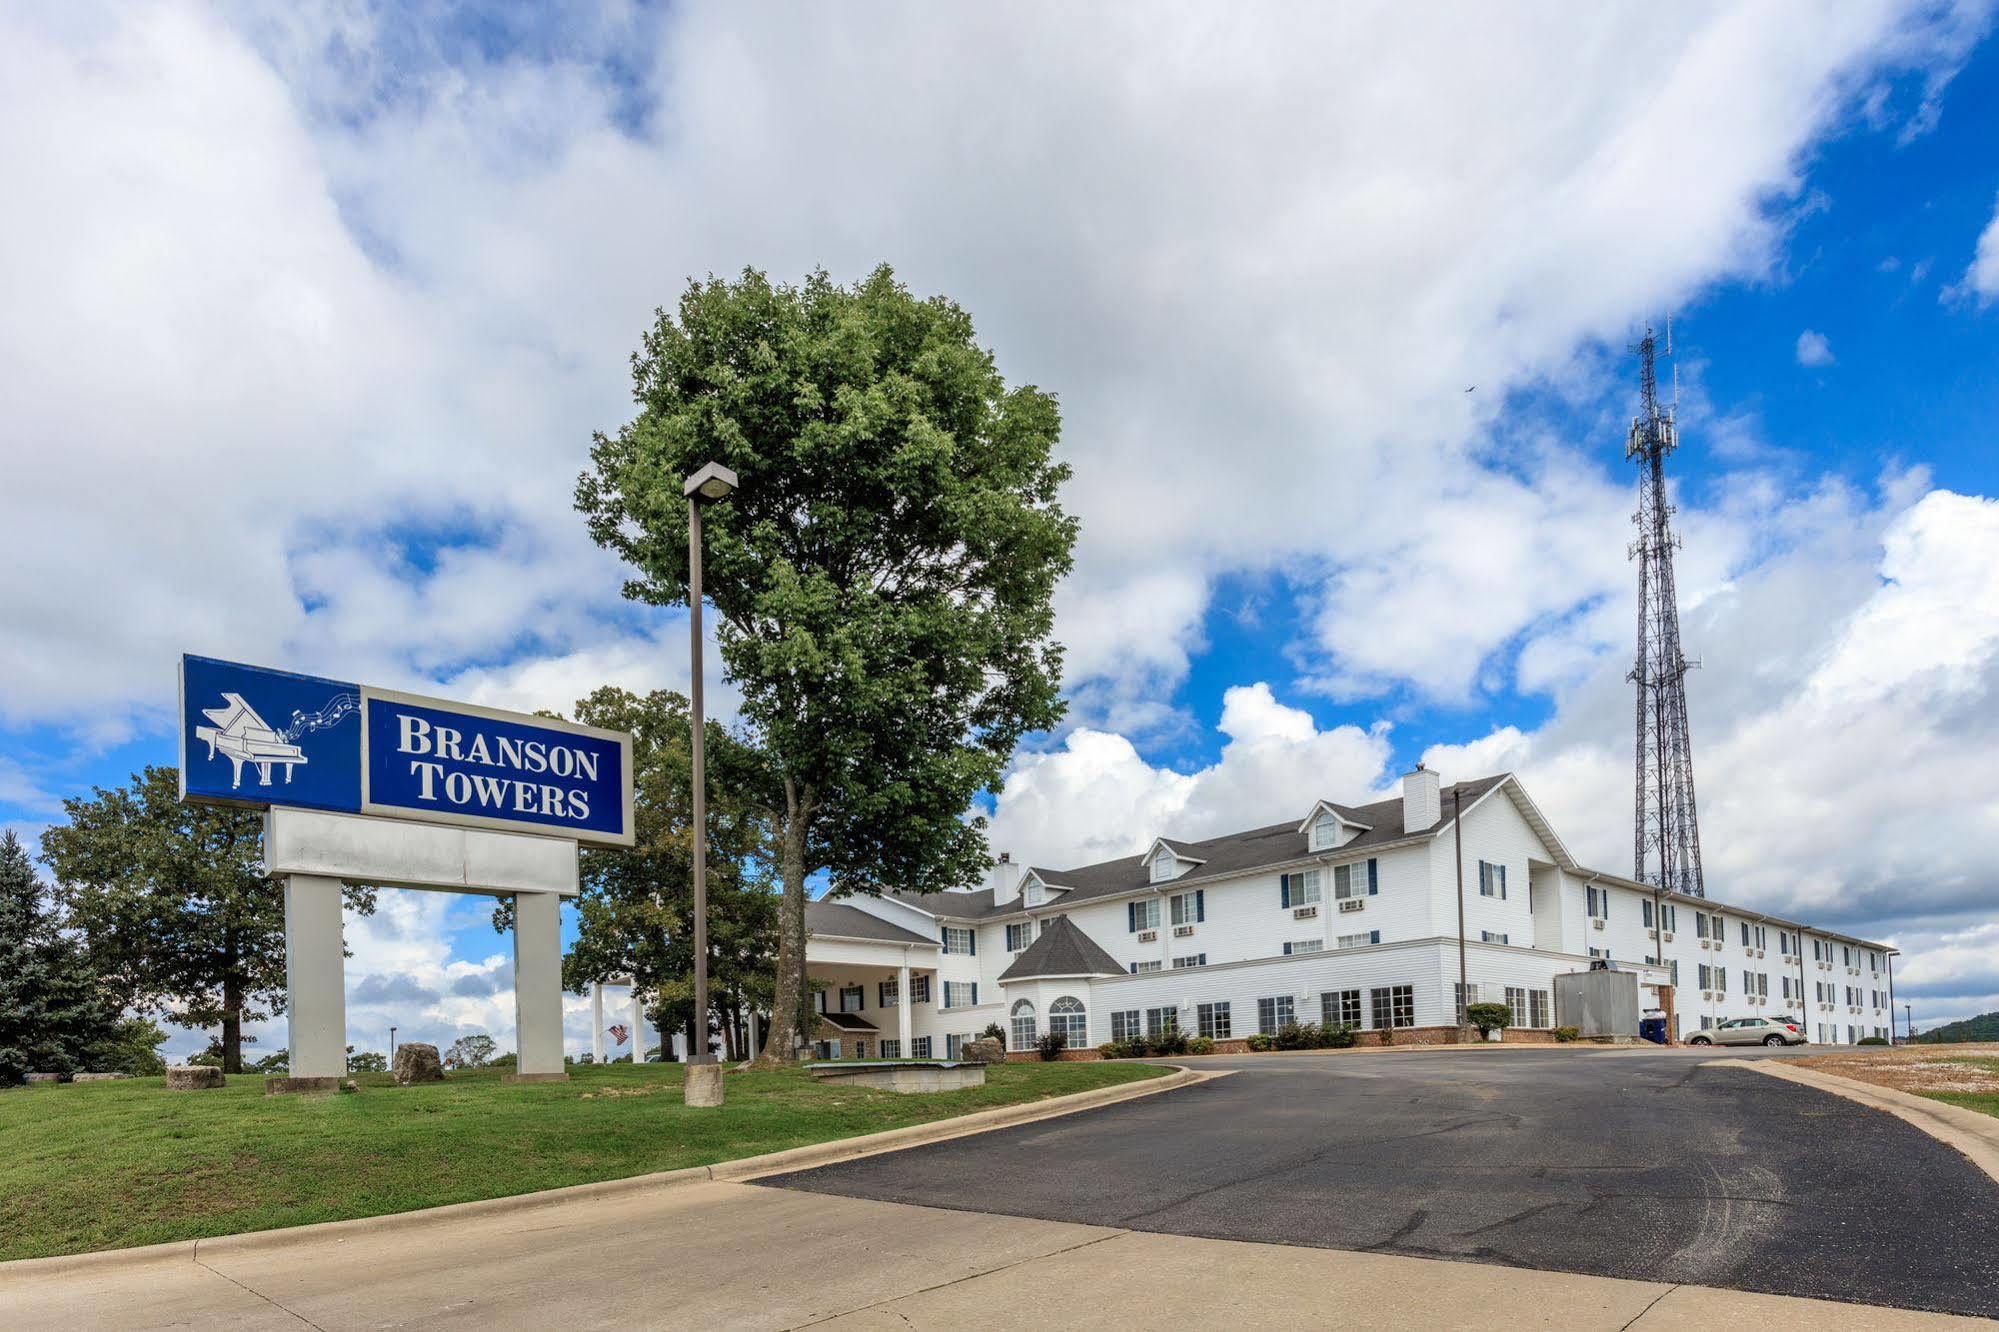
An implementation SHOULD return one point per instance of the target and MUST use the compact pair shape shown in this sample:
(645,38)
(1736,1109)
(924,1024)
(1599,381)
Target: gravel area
(1972,1067)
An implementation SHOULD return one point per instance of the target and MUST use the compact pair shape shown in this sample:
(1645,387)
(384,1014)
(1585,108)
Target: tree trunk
(788,1008)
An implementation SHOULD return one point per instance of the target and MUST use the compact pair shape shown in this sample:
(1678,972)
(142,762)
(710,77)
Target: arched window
(1023,1025)
(1066,1016)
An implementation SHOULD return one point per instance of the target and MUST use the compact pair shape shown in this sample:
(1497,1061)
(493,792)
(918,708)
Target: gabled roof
(1062,950)
(838,921)
(848,1022)
(1344,813)
(1233,853)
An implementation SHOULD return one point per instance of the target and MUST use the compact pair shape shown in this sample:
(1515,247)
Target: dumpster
(1652,1027)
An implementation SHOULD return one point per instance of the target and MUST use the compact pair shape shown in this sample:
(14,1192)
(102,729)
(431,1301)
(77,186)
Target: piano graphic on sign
(241,736)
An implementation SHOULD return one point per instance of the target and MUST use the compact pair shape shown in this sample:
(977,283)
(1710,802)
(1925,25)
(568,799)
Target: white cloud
(1813,349)
(1981,280)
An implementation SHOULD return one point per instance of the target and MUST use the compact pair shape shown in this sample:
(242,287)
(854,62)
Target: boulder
(100,1077)
(985,1051)
(193,1077)
(45,1077)
(417,1062)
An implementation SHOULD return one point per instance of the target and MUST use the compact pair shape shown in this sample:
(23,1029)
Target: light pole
(703,1084)
(392,1047)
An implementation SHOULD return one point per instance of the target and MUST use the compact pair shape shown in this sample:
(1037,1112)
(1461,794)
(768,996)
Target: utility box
(1598,1003)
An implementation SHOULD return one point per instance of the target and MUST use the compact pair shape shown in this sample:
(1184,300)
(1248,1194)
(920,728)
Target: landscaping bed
(106,1165)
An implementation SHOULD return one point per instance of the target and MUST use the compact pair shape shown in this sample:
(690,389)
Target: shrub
(1388,1035)
(1173,1041)
(1872,1040)
(993,1032)
(1051,1044)
(1339,1037)
(1489,1018)
(1566,1034)
(1297,1036)
(1259,1043)
(1200,1045)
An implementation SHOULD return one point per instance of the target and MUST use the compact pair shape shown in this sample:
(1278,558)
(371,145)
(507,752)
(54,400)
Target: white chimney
(1004,879)
(1422,800)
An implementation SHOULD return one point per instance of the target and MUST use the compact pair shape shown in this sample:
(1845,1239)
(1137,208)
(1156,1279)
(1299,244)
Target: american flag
(619,1031)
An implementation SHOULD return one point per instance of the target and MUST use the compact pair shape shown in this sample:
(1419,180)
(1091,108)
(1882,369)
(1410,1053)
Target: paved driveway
(1660,1167)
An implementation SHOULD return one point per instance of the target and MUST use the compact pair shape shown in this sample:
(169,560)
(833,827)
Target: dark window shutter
(1200,904)
(1287,950)
(973,935)
(1502,883)
(1374,936)
(1373,879)
(1284,890)
(1131,917)
(975,994)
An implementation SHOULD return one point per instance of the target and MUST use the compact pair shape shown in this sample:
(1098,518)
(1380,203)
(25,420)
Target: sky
(313,311)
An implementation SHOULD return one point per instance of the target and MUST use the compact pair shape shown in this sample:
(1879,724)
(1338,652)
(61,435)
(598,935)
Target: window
(1066,1016)
(1273,1013)
(1340,1008)
(1491,880)
(1160,1021)
(1458,996)
(1165,865)
(1356,880)
(1041,926)
(1325,832)
(1137,967)
(860,1048)
(853,998)
(1019,936)
(1537,1008)
(961,994)
(919,989)
(1124,1024)
(1213,1020)
(888,994)
(890,1049)
(1360,940)
(1600,952)
(920,1048)
(1142,915)
(1670,914)
(954,1046)
(1719,930)
(1393,1006)
(1599,902)
(1190,908)
(1292,946)
(1023,1025)
(1195,960)
(1700,924)
(1034,894)
(958,940)
(1491,936)
(1762,937)
(1516,1000)
(1645,912)
(1745,932)
(1721,980)
(1299,889)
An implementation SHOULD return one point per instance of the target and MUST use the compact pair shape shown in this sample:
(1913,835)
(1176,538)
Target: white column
(538,984)
(902,1007)
(596,1022)
(315,977)
(638,1027)
(756,1036)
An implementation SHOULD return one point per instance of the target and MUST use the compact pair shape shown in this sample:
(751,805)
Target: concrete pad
(168,1293)
(1139,1280)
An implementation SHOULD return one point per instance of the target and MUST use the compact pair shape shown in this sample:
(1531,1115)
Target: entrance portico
(875,982)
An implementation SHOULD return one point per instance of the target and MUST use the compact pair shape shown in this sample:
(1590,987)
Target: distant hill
(1984,1027)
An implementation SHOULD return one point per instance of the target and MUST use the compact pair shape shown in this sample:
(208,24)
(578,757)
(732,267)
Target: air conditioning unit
(1596,922)
(1707,994)
(1667,936)
(1148,936)
(1183,931)
(1707,943)
(1352,904)
(1759,952)
(1305,913)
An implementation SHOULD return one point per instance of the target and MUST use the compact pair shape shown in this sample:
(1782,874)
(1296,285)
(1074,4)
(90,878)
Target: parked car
(1750,1031)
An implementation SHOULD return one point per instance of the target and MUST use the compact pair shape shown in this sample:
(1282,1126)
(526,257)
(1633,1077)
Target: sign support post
(315,984)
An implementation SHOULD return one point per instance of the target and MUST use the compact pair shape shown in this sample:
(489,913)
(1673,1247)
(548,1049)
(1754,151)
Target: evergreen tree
(174,905)
(53,1010)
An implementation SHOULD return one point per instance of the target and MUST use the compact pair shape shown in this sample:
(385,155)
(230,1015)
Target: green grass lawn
(104,1165)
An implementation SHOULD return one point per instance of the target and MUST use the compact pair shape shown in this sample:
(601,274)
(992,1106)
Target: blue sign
(251,736)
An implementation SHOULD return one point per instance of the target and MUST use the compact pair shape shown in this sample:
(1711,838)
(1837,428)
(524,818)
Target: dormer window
(1034,894)
(1165,866)
(1325,832)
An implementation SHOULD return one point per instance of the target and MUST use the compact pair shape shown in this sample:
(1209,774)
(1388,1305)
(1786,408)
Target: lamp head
(712,482)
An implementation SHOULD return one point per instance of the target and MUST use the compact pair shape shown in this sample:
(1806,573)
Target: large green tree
(882,578)
(54,1010)
(636,911)
(173,904)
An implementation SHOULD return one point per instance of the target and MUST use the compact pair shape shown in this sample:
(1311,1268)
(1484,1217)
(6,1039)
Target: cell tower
(1666,838)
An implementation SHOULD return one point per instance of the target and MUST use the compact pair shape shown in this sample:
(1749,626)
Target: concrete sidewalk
(729,1255)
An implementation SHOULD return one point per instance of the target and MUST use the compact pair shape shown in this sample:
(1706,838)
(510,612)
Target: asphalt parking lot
(1653,1166)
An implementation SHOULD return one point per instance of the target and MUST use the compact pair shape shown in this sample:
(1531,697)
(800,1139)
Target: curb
(1974,1135)
(748,1167)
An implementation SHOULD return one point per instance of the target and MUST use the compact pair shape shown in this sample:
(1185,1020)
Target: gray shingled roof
(848,922)
(1232,853)
(1062,950)
(848,1022)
